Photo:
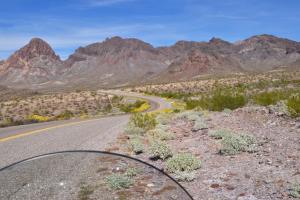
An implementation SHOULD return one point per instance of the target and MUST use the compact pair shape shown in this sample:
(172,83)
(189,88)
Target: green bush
(293,104)
(159,149)
(119,181)
(218,101)
(236,143)
(183,162)
(144,121)
(269,98)
(136,145)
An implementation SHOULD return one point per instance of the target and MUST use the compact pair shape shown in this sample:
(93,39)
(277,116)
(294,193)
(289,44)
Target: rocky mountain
(35,63)
(114,62)
(266,52)
(117,62)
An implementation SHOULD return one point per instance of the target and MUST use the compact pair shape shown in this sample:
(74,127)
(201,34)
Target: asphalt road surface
(21,142)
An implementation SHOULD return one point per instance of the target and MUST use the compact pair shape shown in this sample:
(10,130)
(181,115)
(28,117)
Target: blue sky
(68,24)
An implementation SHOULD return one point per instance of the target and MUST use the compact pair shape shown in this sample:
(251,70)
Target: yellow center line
(42,130)
(49,128)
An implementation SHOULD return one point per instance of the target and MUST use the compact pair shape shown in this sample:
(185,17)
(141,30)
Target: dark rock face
(117,61)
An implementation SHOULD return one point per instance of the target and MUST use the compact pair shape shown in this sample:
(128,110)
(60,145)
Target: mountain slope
(266,52)
(115,61)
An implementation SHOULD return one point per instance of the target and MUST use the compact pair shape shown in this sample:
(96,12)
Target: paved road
(21,142)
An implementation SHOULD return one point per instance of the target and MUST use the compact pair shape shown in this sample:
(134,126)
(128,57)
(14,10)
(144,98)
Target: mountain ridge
(120,61)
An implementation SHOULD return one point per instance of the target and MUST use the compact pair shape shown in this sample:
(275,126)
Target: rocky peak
(270,43)
(263,37)
(115,45)
(113,48)
(36,47)
(218,41)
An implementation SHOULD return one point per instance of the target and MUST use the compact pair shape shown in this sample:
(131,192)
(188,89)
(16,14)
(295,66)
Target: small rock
(268,162)
(150,185)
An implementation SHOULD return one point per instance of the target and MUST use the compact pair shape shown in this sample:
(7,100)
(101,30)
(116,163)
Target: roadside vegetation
(149,134)
(222,133)
(138,106)
(270,89)
(295,191)
(62,106)
(117,181)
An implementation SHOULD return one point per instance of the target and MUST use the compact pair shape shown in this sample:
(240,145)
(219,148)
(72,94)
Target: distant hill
(118,62)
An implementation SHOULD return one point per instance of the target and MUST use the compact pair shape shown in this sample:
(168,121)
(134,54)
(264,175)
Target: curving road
(21,142)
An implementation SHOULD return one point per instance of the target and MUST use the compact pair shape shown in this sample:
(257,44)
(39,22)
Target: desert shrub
(144,121)
(269,98)
(185,176)
(164,118)
(295,191)
(162,127)
(189,115)
(85,192)
(199,125)
(160,134)
(38,118)
(218,101)
(159,149)
(183,162)
(119,181)
(11,122)
(236,143)
(219,134)
(280,108)
(136,145)
(131,172)
(134,107)
(293,104)
(145,106)
(65,115)
(107,108)
(133,130)
(170,95)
